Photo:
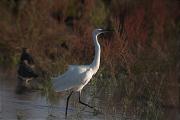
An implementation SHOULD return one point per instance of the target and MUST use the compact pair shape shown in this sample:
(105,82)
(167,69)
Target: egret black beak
(108,30)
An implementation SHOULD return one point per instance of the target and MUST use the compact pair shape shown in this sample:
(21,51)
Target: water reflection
(32,105)
(43,106)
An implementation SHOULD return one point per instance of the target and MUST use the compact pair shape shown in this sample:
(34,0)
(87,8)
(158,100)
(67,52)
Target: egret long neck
(96,62)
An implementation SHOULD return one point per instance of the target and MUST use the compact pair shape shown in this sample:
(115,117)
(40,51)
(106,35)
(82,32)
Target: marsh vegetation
(138,77)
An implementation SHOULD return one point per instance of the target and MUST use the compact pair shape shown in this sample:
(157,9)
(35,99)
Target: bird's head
(99,31)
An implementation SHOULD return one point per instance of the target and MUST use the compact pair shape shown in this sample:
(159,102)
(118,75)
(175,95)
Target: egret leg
(67,103)
(83,102)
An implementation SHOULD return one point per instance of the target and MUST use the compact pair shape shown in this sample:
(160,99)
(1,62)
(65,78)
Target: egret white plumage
(77,76)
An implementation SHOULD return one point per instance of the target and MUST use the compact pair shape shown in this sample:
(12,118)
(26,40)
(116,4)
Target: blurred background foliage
(139,59)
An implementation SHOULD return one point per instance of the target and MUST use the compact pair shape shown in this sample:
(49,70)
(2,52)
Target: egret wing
(70,79)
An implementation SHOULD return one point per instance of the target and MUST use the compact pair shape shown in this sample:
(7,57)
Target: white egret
(77,76)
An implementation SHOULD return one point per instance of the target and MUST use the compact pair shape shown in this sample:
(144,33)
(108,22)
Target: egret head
(99,31)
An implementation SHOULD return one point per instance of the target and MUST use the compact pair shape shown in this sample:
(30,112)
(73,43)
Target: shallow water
(32,105)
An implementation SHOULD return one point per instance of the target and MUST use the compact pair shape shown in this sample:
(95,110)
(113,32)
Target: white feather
(75,77)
